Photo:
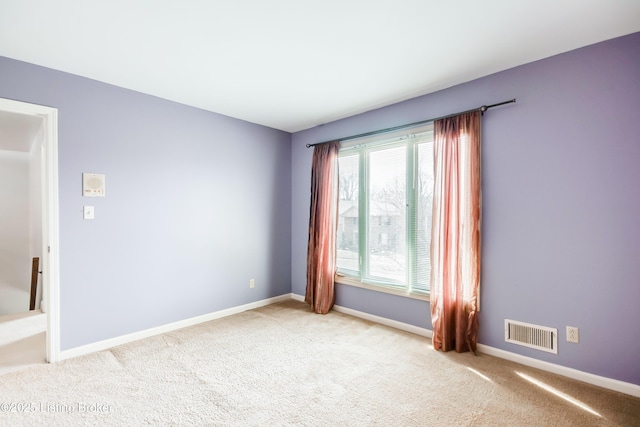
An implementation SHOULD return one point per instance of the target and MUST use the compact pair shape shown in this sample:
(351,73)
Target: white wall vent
(534,336)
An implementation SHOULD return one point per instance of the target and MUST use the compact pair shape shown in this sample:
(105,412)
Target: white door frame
(50,228)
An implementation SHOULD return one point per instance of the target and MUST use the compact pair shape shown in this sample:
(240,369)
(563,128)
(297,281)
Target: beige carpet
(282,365)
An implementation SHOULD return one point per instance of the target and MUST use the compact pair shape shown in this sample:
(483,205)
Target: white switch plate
(88,212)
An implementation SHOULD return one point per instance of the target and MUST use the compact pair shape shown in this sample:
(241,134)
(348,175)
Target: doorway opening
(29,148)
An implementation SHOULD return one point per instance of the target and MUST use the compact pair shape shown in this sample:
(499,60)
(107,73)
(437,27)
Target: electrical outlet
(252,283)
(572,334)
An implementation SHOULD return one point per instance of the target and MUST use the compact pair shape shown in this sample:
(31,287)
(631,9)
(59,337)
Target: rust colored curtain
(455,241)
(323,225)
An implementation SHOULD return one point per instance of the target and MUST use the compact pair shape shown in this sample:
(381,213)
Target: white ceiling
(295,64)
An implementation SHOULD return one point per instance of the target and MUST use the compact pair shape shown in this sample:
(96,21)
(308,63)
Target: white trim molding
(608,383)
(376,319)
(384,321)
(604,382)
(135,336)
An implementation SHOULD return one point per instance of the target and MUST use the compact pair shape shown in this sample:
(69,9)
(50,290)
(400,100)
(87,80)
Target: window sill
(350,281)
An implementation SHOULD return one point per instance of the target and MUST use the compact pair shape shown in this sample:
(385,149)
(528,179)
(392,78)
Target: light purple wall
(561,242)
(196,205)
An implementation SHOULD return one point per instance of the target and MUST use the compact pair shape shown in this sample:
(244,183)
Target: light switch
(89,212)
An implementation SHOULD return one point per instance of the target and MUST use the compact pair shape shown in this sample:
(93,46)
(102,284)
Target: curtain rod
(391,129)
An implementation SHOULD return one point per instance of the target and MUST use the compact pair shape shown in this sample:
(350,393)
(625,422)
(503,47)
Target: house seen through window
(384,225)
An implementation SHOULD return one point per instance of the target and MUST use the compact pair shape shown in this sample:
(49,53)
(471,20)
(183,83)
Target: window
(386,192)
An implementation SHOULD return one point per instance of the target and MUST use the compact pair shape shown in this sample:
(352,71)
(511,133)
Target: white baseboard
(135,336)
(608,383)
(376,319)
(384,321)
(604,382)
(297,297)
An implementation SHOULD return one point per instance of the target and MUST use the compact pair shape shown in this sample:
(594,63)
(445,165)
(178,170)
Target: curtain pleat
(323,224)
(455,241)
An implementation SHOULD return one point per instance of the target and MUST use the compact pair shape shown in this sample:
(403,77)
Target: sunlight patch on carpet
(480,374)
(558,393)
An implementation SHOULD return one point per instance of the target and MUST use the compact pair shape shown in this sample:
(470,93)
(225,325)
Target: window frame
(408,138)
